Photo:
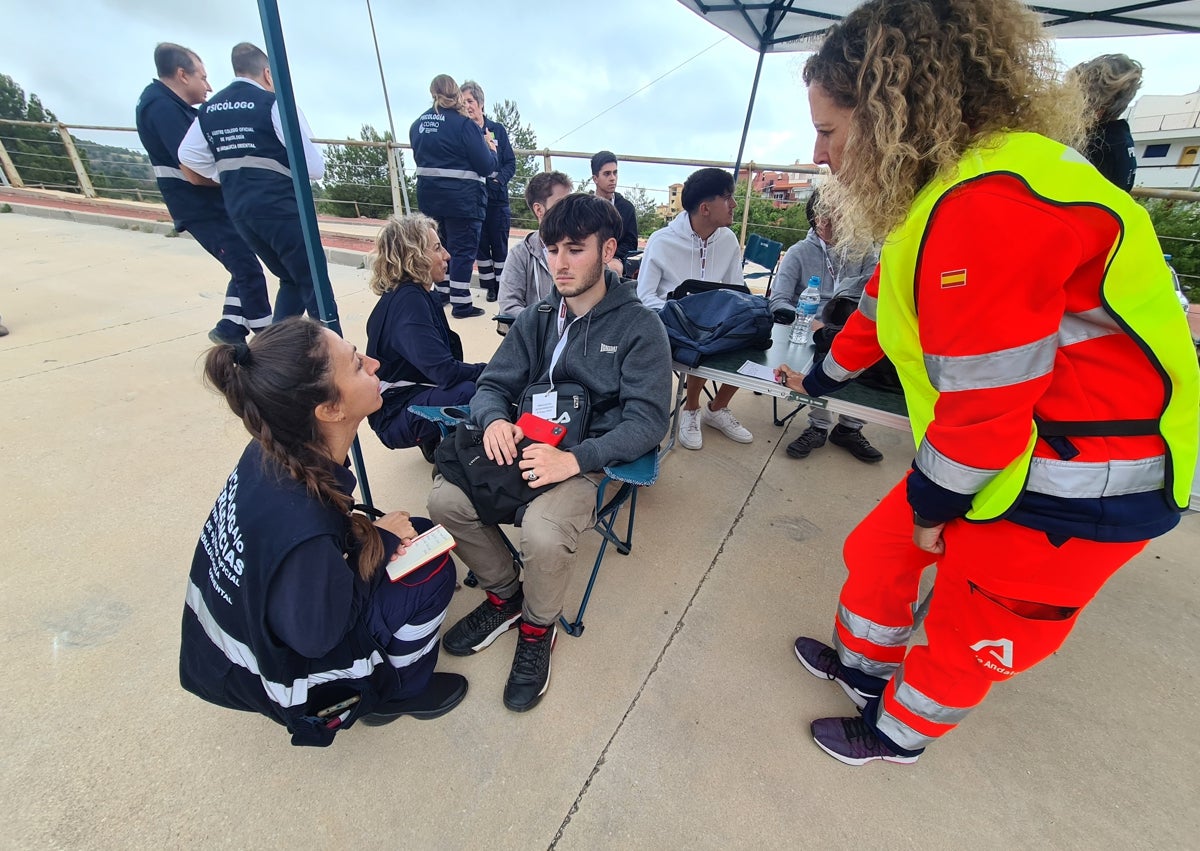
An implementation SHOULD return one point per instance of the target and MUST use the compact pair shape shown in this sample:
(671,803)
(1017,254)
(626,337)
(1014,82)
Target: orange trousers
(1004,598)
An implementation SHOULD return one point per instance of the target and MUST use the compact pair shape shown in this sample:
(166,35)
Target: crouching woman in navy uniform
(289,609)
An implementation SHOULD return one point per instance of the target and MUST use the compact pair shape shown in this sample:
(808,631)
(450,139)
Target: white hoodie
(675,254)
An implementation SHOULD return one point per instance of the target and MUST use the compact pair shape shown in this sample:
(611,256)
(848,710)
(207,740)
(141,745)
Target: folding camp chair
(765,252)
(627,478)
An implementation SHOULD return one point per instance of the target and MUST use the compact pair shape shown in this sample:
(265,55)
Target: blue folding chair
(627,478)
(765,252)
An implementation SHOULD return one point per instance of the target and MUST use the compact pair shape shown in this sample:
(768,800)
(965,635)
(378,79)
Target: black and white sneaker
(489,620)
(821,660)
(530,675)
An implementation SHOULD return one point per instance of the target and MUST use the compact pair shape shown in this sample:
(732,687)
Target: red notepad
(421,550)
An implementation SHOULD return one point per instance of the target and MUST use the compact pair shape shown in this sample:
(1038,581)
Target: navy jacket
(628,241)
(163,120)
(230,655)
(253,163)
(1110,149)
(453,162)
(408,334)
(497,184)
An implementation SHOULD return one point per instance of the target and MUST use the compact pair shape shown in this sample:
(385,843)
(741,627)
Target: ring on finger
(531,476)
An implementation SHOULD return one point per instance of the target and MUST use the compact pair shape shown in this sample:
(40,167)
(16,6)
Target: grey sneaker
(851,741)
(725,422)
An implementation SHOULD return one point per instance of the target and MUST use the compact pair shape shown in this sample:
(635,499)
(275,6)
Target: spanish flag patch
(957,278)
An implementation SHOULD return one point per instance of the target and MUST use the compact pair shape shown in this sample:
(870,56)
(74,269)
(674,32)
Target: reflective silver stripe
(835,370)
(388,385)
(448,172)
(1092,480)
(900,733)
(995,369)
(241,655)
(919,703)
(167,171)
(949,473)
(408,658)
(413,632)
(262,322)
(869,307)
(1086,325)
(853,659)
(265,163)
(868,630)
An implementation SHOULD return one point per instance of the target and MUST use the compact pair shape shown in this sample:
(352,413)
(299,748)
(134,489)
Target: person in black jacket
(493,242)
(420,358)
(453,160)
(604,176)
(165,111)
(289,611)
(1109,82)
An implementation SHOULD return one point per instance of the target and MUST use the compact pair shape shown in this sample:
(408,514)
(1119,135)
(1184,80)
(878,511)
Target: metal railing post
(10,170)
(746,210)
(394,179)
(547,163)
(85,182)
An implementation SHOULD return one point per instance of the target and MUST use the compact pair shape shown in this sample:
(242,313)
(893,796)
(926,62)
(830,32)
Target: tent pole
(749,111)
(284,96)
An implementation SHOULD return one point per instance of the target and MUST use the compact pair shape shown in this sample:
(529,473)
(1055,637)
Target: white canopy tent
(780,26)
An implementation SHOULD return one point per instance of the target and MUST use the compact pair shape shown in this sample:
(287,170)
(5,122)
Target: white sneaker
(725,422)
(689,429)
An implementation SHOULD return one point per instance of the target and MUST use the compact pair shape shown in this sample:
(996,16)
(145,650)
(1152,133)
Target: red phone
(541,431)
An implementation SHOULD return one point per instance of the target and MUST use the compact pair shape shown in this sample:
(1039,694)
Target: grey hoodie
(526,278)
(618,350)
(811,257)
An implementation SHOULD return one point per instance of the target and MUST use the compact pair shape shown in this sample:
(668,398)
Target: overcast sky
(89,59)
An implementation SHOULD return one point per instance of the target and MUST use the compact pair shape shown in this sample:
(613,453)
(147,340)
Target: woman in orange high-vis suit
(1049,375)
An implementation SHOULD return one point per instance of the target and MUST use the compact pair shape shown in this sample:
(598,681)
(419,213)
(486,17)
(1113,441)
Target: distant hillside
(122,172)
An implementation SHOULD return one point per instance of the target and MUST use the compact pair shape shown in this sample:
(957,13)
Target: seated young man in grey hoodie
(840,275)
(593,333)
(526,278)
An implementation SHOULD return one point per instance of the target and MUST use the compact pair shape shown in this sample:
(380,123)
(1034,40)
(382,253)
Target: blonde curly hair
(926,80)
(402,253)
(1109,82)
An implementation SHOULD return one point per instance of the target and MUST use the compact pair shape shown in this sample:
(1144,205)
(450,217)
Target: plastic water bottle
(806,311)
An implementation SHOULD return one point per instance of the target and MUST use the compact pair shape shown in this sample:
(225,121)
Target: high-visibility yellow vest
(1136,291)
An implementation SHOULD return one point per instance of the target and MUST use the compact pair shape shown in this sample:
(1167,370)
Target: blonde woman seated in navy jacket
(420,358)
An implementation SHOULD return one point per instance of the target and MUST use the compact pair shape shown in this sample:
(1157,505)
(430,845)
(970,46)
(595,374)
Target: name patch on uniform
(957,278)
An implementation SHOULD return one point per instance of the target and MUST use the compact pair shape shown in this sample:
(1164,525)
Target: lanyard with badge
(545,405)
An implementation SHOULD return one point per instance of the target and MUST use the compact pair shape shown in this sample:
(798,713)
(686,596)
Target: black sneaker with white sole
(530,675)
(489,620)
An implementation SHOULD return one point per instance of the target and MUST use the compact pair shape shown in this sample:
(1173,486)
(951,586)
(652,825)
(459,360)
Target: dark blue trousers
(247,305)
(493,246)
(460,237)
(279,243)
(401,429)
(405,617)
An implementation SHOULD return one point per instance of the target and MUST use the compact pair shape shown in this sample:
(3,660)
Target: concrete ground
(678,720)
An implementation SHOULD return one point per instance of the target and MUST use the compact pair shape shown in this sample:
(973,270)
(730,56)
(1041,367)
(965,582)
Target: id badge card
(545,405)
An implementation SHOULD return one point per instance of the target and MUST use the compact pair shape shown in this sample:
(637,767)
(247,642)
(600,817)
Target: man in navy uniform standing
(237,139)
(164,113)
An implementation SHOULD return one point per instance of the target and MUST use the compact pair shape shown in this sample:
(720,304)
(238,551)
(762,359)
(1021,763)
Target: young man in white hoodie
(697,245)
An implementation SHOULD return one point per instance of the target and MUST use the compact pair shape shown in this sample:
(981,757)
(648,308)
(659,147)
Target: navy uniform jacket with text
(453,162)
(229,655)
(162,121)
(251,161)
(506,162)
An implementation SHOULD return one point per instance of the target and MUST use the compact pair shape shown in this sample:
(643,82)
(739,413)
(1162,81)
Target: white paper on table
(757,370)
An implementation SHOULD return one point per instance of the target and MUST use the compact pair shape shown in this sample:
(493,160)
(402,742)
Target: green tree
(646,209)
(36,152)
(783,224)
(1177,224)
(356,178)
(522,137)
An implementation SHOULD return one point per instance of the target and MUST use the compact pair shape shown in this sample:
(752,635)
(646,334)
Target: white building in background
(1166,136)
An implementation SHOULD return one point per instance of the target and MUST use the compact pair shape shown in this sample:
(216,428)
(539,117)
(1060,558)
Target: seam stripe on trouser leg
(974,640)
(877,600)
(460,237)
